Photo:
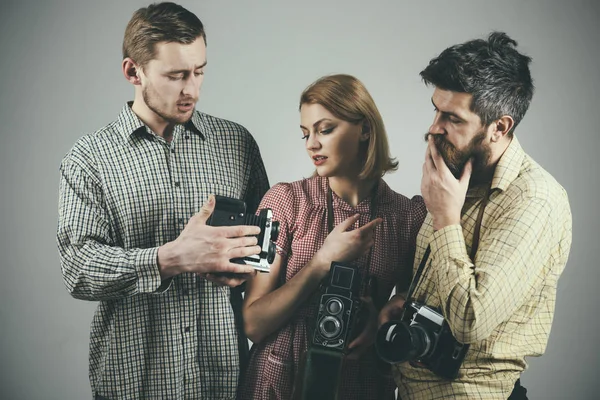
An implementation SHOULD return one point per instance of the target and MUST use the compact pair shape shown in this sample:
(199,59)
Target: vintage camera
(422,337)
(338,308)
(231,212)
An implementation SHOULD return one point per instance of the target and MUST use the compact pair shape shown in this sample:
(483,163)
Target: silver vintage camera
(232,212)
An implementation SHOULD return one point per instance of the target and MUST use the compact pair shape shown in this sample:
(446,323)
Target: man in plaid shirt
(132,230)
(501,300)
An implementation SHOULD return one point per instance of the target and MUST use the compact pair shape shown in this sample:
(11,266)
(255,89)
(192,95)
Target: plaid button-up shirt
(125,191)
(502,302)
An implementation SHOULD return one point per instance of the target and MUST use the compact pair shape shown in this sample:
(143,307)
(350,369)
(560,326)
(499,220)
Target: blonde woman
(345,213)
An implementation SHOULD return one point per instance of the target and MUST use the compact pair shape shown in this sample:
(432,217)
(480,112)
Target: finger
(243,241)
(429,166)
(347,223)
(371,225)
(236,231)
(385,315)
(207,209)
(427,149)
(392,310)
(434,153)
(234,268)
(359,341)
(231,280)
(241,252)
(437,161)
(466,174)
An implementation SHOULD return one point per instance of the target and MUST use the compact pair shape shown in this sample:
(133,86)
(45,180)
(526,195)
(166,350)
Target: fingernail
(211,199)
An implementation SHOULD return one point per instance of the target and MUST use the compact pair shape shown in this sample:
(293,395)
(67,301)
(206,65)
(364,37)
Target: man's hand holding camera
(444,195)
(206,250)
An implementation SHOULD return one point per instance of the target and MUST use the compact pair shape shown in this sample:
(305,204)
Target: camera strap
(370,282)
(474,246)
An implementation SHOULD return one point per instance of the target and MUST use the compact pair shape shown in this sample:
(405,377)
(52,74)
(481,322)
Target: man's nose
(192,86)
(436,127)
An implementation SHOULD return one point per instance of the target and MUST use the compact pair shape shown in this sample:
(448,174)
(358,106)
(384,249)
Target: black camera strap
(370,282)
(474,247)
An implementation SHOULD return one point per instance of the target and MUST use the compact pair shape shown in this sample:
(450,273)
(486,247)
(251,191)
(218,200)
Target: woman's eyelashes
(322,131)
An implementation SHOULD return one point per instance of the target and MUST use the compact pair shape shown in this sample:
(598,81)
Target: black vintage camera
(338,309)
(337,321)
(231,212)
(422,337)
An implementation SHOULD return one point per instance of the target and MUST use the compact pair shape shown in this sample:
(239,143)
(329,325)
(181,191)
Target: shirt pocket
(278,377)
(200,190)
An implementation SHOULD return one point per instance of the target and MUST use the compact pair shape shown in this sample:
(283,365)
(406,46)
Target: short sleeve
(280,199)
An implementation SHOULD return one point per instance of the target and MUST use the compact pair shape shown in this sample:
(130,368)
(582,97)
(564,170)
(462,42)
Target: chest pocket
(200,190)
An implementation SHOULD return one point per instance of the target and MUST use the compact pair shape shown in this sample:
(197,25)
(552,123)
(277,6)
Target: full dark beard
(457,159)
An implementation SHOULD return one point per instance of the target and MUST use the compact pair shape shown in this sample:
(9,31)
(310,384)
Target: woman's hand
(366,338)
(343,245)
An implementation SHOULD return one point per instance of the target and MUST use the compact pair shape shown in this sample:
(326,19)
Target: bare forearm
(272,311)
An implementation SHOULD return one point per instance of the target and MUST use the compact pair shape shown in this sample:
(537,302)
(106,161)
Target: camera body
(338,309)
(424,338)
(232,212)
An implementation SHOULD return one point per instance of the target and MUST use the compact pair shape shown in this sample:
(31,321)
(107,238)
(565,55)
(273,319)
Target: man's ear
(131,71)
(501,127)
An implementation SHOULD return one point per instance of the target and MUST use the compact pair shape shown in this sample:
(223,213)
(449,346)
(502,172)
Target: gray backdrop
(60,77)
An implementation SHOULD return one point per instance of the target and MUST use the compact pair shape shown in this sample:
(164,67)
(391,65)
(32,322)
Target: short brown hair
(160,22)
(347,98)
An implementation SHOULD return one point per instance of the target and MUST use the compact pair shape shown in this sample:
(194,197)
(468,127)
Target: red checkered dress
(301,209)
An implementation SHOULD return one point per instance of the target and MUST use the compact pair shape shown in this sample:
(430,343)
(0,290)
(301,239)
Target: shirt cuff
(448,242)
(146,266)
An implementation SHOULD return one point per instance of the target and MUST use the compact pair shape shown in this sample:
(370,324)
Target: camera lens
(334,306)
(330,327)
(397,342)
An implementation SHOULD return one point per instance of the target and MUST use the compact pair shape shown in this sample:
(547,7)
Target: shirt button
(187,136)
(172,150)
(177,184)
(187,329)
(181,220)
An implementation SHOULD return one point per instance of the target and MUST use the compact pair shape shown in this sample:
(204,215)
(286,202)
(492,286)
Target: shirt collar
(382,196)
(508,166)
(128,123)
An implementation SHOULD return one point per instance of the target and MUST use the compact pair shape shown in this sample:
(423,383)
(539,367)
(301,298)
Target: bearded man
(498,230)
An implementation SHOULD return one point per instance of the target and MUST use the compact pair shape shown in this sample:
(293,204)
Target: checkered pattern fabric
(301,209)
(502,302)
(125,191)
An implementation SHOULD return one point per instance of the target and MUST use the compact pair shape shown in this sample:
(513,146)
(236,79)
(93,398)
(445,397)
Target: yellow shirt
(502,302)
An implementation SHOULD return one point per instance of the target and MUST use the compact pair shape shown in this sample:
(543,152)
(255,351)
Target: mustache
(437,140)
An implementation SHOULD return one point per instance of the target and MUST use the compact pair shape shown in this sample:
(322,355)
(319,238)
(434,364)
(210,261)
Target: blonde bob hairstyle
(347,98)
